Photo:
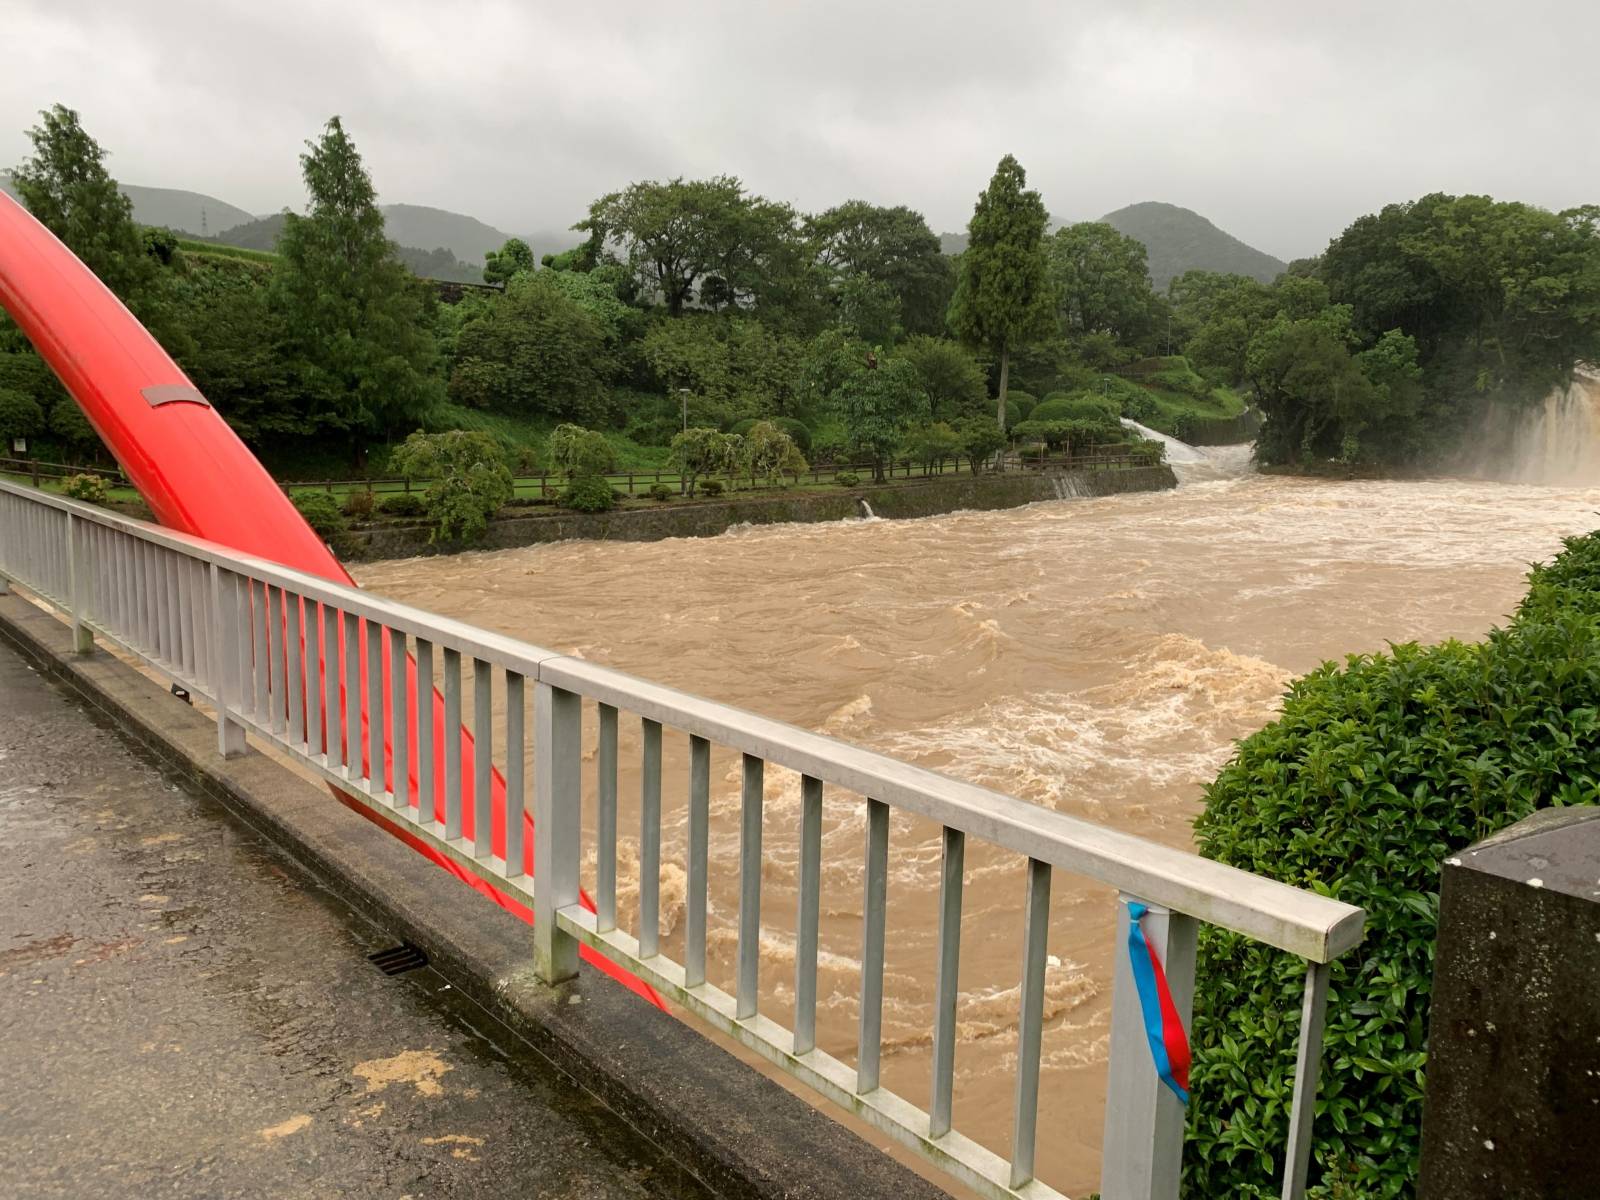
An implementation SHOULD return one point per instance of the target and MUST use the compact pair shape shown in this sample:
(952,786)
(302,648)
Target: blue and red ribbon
(1163,1028)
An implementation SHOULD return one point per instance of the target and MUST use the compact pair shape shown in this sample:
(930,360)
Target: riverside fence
(339,679)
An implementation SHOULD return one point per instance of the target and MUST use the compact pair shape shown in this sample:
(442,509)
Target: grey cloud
(1280,121)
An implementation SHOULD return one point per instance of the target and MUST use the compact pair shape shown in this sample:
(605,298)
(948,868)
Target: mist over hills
(1175,240)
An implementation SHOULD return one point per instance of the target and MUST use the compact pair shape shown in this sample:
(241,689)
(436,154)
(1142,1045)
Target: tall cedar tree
(1003,297)
(357,318)
(67,187)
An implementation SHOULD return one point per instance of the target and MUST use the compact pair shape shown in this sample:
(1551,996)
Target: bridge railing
(273,650)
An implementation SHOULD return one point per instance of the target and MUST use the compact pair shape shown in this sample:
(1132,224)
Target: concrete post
(78,588)
(1513,1087)
(557,827)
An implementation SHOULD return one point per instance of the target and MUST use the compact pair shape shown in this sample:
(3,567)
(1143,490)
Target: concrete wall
(922,498)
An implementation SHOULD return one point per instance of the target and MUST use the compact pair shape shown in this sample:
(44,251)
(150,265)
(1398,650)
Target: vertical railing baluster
(376,783)
(751,796)
(694,931)
(229,690)
(427,774)
(557,826)
(452,743)
(277,660)
(874,911)
(649,838)
(1307,1072)
(169,597)
(482,757)
(311,628)
(295,646)
(806,918)
(516,793)
(399,724)
(332,672)
(1030,1020)
(350,656)
(259,625)
(1141,1151)
(605,900)
(947,976)
(184,611)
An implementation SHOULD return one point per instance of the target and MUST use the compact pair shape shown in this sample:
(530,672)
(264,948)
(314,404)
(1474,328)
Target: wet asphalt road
(183,1014)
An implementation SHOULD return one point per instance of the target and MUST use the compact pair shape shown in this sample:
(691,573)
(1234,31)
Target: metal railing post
(225,637)
(1142,1154)
(557,826)
(78,591)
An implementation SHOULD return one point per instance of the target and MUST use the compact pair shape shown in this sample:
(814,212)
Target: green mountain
(1178,240)
(465,237)
(187,212)
(1175,240)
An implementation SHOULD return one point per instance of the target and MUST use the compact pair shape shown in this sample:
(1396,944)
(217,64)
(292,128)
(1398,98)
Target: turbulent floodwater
(1095,656)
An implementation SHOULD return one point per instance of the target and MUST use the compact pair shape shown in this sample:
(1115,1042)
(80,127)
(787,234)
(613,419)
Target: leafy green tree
(1102,282)
(66,186)
(769,452)
(889,255)
(468,479)
(1003,297)
(1224,313)
(878,405)
(981,439)
(933,445)
(733,367)
(699,451)
(358,324)
(72,429)
(950,376)
(20,417)
(513,258)
(577,451)
(535,352)
(707,238)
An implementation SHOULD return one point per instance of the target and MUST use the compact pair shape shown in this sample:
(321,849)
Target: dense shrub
(1374,774)
(402,504)
(797,431)
(468,479)
(91,489)
(1019,406)
(577,451)
(847,479)
(712,487)
(360,504)
(660,491)
(322,513)
(588,493)
(742,428)
(1082,406)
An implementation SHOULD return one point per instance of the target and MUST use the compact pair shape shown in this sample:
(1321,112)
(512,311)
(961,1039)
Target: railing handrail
(1314,927)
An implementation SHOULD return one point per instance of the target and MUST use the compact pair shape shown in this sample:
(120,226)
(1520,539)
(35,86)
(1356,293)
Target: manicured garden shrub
(402,504)
(588,493)
(1019,406)
(797,431)
(467,477)
(660,491)
(322,513)
(1375,773)
(712,487)
(847,479)
(360,505)
(1084,406)
(91,489)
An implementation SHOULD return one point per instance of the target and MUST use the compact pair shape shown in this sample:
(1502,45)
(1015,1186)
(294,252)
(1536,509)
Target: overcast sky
(1280,120)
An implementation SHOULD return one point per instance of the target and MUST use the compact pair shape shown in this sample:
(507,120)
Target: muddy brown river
(1095,656)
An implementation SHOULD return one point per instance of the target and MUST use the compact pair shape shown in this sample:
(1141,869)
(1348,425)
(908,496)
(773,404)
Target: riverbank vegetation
(1375,773)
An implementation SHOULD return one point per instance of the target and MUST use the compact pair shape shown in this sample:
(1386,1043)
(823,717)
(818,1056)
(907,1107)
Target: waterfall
(1068,485)
(1557,441)
(865,509)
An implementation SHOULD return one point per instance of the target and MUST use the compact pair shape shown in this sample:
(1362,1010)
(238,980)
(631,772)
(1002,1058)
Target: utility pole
(684,394)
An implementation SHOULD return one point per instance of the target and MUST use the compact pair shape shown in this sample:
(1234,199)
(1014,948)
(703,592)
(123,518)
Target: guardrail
(330,675)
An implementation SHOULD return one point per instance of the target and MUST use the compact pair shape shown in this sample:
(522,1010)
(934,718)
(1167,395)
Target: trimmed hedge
(1375,773)
(588,493)
(1019,406)
(1081,407)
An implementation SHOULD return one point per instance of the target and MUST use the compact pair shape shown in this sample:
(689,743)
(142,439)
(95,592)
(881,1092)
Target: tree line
(700,304)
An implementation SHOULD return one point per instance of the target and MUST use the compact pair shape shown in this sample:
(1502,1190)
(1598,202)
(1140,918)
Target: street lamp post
(684,393)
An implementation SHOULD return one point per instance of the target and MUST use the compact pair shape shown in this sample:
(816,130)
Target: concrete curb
(740,1133)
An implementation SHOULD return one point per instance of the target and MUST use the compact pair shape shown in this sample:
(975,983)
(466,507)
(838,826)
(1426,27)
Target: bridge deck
(186,1016)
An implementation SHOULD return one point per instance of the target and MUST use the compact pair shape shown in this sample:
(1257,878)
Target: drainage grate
(398,959)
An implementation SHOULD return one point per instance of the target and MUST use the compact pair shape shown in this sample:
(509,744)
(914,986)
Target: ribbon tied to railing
(1163,1027)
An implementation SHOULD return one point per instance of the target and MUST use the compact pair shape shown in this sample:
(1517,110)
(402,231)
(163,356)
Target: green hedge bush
(797,431)
(91,489)
(1375,773)
(1081,407)
(1019,406)
(322,513)
(402,504)
(588,493)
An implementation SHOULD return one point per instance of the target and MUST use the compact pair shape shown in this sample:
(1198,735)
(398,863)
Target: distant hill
(1178,240)
(187,212)
(1175,240)
(439,263)
(466,237)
